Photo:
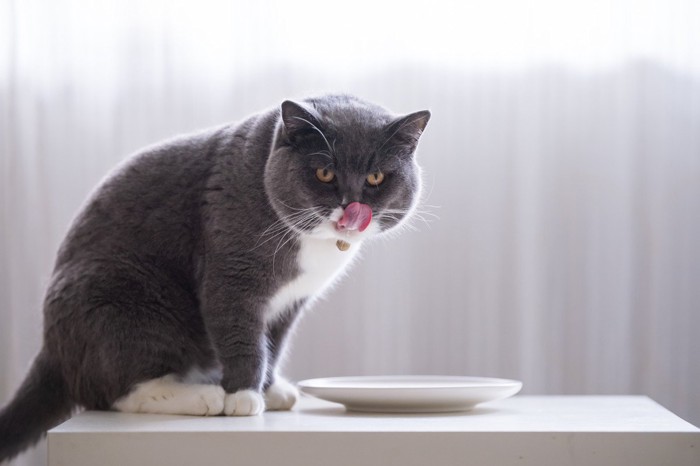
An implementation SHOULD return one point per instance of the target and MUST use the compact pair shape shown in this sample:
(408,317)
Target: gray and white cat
(176,286)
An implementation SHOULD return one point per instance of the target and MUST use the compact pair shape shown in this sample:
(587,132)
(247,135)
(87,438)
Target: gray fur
(170,264)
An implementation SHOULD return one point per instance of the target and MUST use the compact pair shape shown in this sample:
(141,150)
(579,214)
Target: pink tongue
(356,217)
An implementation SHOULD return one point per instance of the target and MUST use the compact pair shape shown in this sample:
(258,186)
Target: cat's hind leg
(167,395)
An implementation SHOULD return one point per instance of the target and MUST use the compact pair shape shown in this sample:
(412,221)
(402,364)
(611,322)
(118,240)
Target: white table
(524,430)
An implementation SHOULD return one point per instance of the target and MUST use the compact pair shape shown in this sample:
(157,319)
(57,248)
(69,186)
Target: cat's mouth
(350,224)
(356,216)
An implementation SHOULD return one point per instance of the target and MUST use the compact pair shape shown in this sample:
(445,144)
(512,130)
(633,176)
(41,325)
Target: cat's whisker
(407,224)
(426,216)
(289,219)
(318,130)
(280,226)
(419,213)
(290,235)
(276,226)
(299,209)
(423,206)
(323,153)
(299,221)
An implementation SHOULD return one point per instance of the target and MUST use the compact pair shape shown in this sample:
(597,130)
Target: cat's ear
(298,120)
(405,131)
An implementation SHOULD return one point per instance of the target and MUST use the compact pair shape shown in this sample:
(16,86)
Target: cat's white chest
(321,263)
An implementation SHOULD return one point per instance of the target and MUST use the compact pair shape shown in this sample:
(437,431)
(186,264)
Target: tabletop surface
(517,414)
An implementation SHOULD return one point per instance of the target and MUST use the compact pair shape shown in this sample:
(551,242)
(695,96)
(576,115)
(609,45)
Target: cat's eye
(375,179)
(325,175)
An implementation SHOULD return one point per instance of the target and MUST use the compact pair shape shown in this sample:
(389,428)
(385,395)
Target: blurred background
(562,172)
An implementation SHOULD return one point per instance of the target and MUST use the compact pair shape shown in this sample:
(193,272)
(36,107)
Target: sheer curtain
(559,239)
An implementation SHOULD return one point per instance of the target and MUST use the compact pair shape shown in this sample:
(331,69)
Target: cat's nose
(350,193)
(347,200)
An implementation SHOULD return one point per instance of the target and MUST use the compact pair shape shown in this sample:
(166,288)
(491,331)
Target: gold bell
(342,245)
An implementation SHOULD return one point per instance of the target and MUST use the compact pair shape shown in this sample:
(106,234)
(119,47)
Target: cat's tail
(41,402)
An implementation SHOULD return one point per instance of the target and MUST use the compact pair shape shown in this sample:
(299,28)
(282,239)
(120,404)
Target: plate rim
(477,382)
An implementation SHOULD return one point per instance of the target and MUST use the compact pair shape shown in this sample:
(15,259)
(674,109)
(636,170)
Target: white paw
(244,403)
(166,395)
(211,400)
(281,395)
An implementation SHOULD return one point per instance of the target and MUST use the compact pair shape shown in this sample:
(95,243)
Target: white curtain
(562,172)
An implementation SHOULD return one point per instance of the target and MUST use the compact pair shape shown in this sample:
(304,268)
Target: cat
(177,284)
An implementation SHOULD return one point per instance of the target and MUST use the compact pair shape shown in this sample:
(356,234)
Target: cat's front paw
(244,403)
(281,395)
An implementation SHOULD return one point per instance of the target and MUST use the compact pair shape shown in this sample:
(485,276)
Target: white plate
(410,394)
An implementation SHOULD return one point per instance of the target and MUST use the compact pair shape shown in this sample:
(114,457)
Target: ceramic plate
(410,394)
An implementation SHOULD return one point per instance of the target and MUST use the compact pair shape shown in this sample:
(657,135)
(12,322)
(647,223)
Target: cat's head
(342,168)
